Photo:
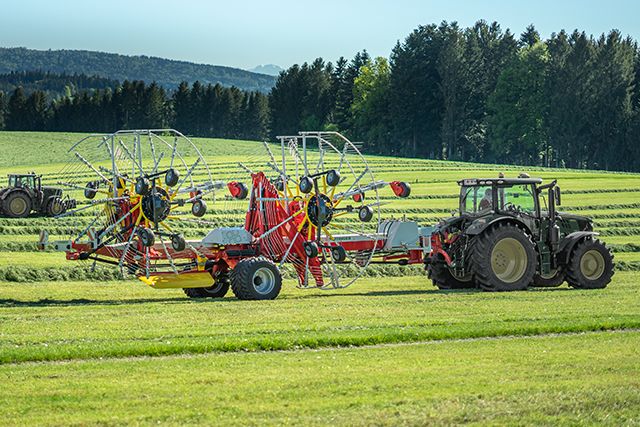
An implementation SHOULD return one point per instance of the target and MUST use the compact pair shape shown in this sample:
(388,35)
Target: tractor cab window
(28,182)
(476,199)
(520,198)
(22,181)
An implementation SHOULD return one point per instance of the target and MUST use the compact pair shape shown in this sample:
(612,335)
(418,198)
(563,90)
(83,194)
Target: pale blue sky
(247,33)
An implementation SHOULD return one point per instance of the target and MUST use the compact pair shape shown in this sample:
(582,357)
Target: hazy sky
(247,33)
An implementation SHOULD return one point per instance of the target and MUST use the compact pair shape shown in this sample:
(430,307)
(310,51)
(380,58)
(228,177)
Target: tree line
(52,84)
(210,111)
(445,92)
(478,94)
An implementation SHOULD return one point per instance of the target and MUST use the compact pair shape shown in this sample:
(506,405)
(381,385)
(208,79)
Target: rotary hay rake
(311,208)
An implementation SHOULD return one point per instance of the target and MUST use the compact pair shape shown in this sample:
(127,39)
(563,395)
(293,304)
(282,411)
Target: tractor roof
(472,182)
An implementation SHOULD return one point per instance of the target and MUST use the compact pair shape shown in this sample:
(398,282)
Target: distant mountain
(167,72)
(268,69)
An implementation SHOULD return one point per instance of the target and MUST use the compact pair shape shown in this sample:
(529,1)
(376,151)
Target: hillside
(167,72)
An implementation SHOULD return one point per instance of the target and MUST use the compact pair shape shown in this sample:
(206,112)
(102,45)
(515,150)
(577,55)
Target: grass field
(385,351)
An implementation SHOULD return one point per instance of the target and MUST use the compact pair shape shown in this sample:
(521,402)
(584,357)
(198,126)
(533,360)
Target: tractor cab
(479,197)
(27,181)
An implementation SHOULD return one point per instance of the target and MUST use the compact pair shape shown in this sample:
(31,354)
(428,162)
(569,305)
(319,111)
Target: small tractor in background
(504,239)
(25,193)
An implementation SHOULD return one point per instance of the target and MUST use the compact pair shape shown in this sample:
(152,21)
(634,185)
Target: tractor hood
(51,191)
(573,222)
(569,216)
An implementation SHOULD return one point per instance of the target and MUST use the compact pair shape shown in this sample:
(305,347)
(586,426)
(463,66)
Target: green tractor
(508,236)
(25,193)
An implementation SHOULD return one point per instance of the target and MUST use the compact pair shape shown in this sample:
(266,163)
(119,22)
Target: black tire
(553,281)
(504,259)
(199,208)
(171,178)
(218,290)
(306,185)
(55,207)
(365,213)
(443,279)
(406,189)
(338,254)
(310,249)
(17,205)
(178,243)
(142,186)
(90,190)
(333,178)
(590,265)
(147,237)
(244,191)
(256,279)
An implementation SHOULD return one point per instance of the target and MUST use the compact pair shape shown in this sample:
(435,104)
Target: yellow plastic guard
(200,279)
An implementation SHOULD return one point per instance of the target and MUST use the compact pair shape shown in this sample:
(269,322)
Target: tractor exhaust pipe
(554,229)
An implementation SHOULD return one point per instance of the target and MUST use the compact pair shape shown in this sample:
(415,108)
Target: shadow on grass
(339,293)
(46,302)
(90,302)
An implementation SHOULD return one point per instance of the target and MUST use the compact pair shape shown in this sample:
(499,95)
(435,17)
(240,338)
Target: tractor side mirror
(557,196)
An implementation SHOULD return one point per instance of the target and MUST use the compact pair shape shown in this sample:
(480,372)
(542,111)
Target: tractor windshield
(476,199)
(517,198)
(22,181)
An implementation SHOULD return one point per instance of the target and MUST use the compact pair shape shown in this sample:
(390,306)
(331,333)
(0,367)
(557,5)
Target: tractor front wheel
(17,205)
(256,279)
(55,207)
(590,265)
(504,259)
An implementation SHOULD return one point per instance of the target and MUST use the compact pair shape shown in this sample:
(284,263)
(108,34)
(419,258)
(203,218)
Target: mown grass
(25,150)
(57,321)
(77,347)
(551,380)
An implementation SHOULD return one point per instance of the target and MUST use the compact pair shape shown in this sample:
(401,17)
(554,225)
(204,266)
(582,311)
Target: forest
(479,94)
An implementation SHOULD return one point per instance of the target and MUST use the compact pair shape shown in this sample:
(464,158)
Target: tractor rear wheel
(256,279)
(218,290)
(444,279)
(590,265)
(504,259)
(17,205)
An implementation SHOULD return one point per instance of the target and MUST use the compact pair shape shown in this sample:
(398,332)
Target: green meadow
(80,348)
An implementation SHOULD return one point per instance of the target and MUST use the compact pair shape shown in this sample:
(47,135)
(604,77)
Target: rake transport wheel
(256,279)
(218,290)
(444,279)
(17,205)
(504,259)
(590,266)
